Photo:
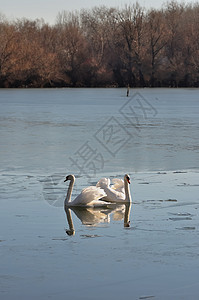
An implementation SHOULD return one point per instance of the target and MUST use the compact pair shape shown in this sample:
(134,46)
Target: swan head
(69,177)
(127,178)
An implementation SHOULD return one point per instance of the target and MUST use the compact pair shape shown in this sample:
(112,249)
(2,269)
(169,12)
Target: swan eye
(128,179)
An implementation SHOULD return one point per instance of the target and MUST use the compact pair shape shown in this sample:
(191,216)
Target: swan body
(89,196)
(118,192)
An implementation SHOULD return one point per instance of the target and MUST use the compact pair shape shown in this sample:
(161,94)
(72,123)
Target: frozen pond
(47,134)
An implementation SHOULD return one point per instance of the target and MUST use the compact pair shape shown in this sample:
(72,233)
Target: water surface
(47,134)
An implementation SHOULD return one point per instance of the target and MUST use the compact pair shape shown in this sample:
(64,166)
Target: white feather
(116,192)
(89,196)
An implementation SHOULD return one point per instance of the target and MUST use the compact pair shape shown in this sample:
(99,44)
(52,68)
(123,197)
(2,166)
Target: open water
(46,134)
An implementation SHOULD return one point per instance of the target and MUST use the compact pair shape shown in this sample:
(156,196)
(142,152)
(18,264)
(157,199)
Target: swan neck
(127,191)
(69,192)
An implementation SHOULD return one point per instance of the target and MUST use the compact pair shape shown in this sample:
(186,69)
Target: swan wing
(113,196)
(115,193)
(88,195)
(118,185)
(103,183)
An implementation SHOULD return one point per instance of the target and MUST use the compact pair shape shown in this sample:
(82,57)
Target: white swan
(89,196)
(117,193)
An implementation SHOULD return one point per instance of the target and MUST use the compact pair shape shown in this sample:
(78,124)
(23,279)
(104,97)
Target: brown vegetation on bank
(103,47)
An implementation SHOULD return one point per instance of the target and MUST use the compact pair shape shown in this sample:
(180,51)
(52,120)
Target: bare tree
(8,43)
(71,48)
(131,23)
(98,26)
(157,40)
(102,47)
(173,15)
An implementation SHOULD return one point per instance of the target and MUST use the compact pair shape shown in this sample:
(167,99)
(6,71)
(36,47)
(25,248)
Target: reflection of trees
(103,46)
(94,216)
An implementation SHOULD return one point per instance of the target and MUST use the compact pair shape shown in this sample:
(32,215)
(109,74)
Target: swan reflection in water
(92,216)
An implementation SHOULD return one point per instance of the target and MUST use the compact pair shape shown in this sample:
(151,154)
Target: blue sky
(48,9)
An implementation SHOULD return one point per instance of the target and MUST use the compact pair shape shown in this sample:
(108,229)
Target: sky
(49,9)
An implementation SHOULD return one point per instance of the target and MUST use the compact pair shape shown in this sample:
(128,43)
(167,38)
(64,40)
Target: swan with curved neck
(117,193)
(89,196)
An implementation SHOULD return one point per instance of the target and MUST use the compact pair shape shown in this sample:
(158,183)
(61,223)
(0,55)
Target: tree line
(103,47)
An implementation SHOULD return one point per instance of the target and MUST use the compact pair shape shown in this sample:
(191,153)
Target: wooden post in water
(128,90)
